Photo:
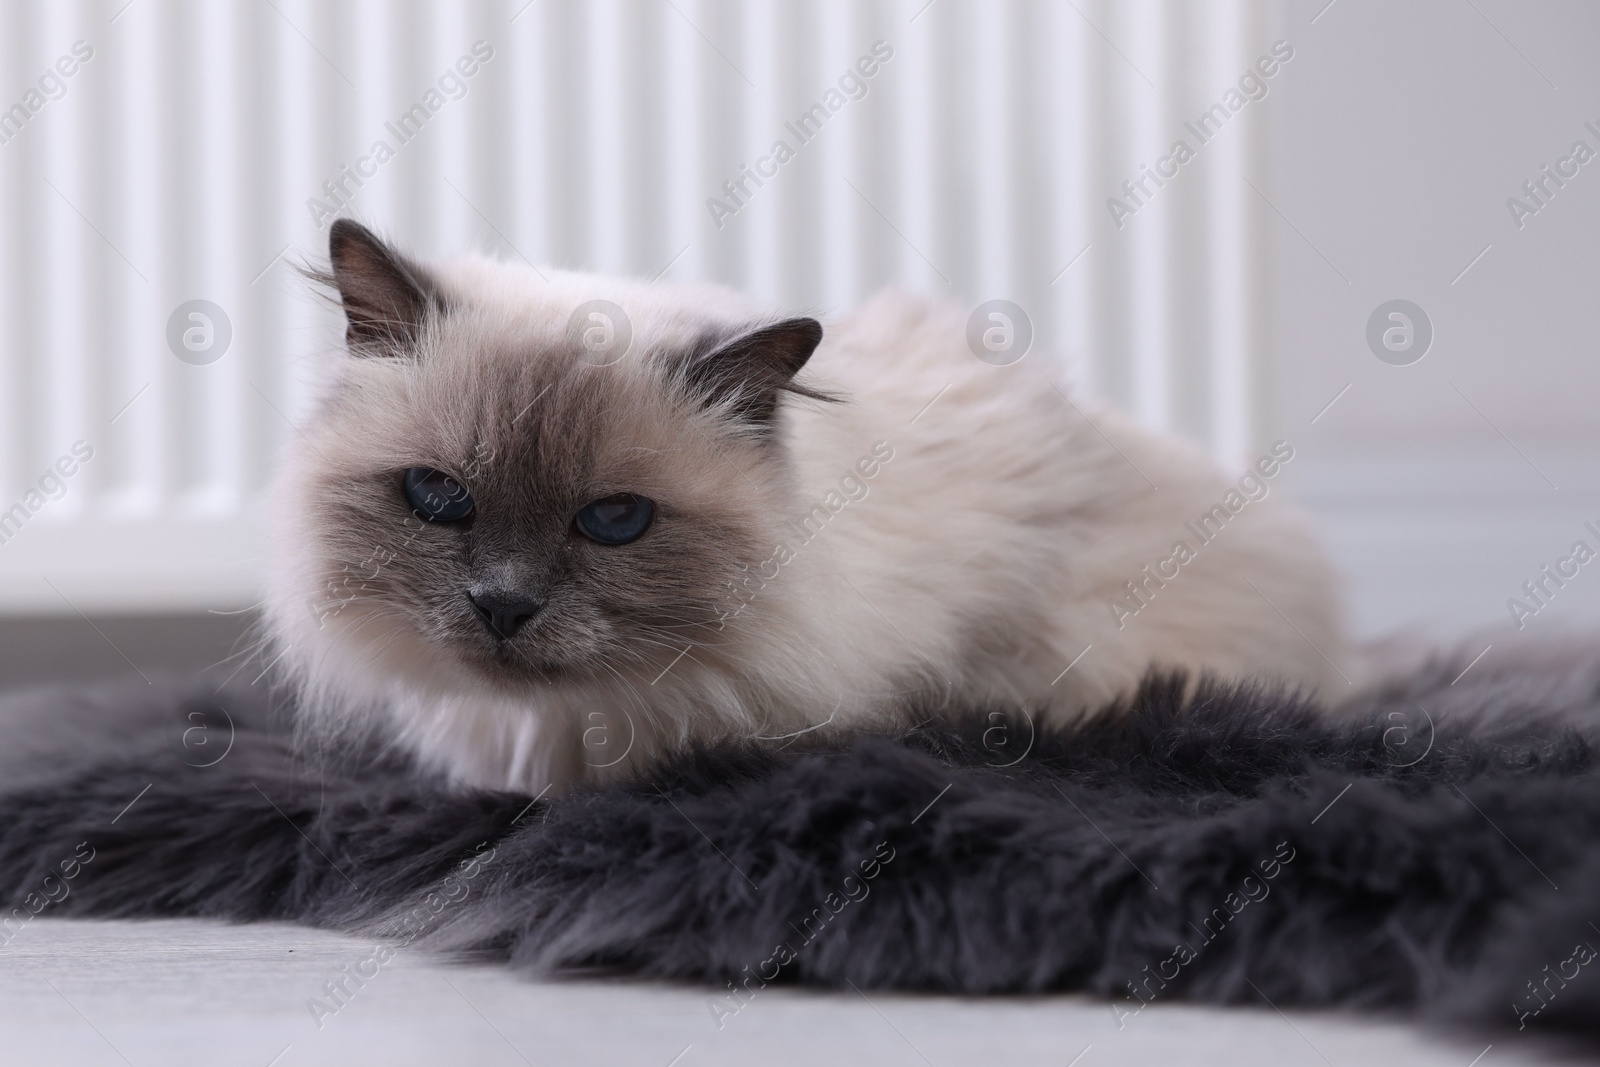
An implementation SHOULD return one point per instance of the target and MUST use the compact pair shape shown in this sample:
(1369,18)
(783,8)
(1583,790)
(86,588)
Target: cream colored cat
(543,527)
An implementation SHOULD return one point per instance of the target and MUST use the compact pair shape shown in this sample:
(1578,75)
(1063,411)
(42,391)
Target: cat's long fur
(1001,516)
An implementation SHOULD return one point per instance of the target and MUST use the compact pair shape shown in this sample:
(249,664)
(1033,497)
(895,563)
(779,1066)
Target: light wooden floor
(173,993)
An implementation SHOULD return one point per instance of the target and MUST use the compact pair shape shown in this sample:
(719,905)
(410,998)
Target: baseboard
(127,647)
(1437,545)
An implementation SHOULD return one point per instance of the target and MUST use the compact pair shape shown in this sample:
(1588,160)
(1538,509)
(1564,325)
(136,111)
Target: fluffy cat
(544,525)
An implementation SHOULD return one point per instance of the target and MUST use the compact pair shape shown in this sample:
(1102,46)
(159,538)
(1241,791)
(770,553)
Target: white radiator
(182,157)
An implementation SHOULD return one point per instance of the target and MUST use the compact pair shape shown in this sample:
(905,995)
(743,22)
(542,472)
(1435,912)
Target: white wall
(1405,127)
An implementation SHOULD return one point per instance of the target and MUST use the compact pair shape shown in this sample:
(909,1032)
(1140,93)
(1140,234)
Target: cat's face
(489,497)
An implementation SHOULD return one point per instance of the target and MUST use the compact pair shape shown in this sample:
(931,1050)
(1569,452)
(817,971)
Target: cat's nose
(504,613)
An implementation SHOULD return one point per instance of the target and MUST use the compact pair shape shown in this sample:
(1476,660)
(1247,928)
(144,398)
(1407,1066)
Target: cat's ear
(748,372)
(387,298)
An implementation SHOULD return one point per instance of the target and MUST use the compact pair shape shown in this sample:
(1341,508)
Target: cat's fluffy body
(973,563)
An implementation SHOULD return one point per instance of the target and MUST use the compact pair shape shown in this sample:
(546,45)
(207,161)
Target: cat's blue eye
(434,496)
(616,519)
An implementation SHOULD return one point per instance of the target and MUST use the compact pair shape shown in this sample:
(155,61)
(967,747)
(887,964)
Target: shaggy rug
(1429,846)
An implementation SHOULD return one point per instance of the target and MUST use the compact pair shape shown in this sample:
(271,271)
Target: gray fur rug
(1433,847)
